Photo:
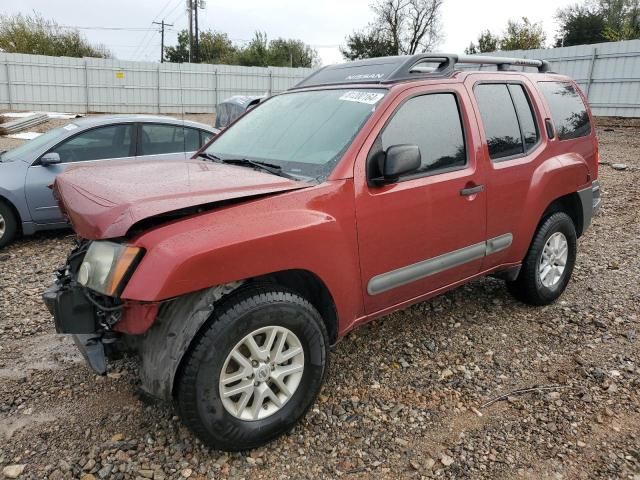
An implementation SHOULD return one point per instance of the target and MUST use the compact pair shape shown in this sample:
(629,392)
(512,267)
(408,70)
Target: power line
(131,29)
(162,24)
(146,39)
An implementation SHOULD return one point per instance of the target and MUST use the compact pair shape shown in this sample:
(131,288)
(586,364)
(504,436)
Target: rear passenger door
(172,142)
(510,125)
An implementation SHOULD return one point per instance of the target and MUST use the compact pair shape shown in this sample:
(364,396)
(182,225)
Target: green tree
(487,42)
(580,25)
(368,44)
(522,35)
(401,27)
(38,36)
(216,47)
(256,52)
(622,19)
(180,52)
(292,53)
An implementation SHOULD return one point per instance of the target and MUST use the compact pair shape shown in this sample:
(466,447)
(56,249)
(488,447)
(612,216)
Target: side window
(191,139)
(499,120)
(567,109)
(206,136)
(113,141)
(433,123)
(156,139)
(530,133)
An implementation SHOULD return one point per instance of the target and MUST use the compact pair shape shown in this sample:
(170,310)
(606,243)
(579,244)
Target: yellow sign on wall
(120,75)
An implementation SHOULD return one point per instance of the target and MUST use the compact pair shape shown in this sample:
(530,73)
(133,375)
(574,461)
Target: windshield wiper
(267,167)
(210,156)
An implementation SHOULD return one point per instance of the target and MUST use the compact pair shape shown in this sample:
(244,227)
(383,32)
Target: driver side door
(426,230)
(85,148)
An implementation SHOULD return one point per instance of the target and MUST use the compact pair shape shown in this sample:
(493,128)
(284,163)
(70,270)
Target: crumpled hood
(104,201)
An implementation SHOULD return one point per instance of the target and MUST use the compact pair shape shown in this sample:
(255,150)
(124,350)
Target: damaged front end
(84,299)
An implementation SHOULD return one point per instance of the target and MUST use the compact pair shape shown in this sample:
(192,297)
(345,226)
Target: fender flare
(165,344)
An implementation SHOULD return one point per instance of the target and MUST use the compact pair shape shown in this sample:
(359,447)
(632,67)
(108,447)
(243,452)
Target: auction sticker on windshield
(370,98)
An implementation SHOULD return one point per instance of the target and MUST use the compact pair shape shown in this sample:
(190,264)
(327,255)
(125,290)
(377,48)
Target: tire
(8,225)
(250,310)
(533,285)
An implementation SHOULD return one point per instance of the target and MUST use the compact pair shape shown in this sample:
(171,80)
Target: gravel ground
(404,395)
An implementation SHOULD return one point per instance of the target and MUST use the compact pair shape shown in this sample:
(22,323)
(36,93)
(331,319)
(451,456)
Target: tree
(217,47)
(38,36)
(487,42)
(580,25)
(292,53)
(367,44)
(598,21)
(401,27)
(522,35)
(255,54)
(622,19)
(179,53)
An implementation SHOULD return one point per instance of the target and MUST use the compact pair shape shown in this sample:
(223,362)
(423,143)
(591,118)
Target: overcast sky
(324,24)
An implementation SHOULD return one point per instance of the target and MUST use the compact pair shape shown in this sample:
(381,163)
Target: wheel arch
(14,209)
(569,204)
(165,345)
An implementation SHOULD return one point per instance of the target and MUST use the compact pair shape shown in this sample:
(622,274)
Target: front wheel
(547,268)
(8,225)
(255,369)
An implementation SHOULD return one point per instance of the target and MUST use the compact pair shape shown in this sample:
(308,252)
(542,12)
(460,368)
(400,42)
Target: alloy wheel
(261,373)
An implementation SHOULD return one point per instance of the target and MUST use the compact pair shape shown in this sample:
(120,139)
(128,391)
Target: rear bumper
(591,201)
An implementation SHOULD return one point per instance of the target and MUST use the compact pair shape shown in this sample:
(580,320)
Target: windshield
(23,151)
(304,133)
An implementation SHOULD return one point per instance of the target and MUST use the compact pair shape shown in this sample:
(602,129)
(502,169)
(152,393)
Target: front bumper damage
(74,314)
(91,319)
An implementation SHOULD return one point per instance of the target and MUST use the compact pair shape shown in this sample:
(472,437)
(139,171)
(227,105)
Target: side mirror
(398,160)
(51,158)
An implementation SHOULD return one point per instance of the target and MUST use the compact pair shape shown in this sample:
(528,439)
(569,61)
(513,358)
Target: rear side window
(528,125)
(432,122)
(499,120)
(160,138)
(567,109)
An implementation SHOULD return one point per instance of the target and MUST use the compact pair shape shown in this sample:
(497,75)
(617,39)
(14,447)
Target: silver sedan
(26,172)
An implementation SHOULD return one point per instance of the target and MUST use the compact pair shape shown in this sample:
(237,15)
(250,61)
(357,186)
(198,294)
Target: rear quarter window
(568,111)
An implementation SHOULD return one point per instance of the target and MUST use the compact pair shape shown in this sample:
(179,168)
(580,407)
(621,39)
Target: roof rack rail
(408,67)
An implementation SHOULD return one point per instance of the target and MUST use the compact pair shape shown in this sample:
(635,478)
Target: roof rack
(408,67)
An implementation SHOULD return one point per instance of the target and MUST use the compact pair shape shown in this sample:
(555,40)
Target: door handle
(465,192)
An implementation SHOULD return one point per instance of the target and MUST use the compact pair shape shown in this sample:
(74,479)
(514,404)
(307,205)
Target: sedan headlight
(106,265)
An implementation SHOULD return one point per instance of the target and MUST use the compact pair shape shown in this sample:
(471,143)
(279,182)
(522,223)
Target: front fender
(12,178)
(311,229)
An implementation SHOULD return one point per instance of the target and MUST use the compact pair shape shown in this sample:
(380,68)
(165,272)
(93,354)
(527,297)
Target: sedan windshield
(24,151)
(303,133)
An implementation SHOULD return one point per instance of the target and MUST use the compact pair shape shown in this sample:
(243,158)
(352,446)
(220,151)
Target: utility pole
(190,12)
(162,25)
(196,52)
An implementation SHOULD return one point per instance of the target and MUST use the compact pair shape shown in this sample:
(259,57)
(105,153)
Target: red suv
(368,187)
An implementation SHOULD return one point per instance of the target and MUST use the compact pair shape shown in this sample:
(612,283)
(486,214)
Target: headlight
(105,265)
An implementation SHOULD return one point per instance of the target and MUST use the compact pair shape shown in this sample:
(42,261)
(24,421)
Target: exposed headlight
(105,266)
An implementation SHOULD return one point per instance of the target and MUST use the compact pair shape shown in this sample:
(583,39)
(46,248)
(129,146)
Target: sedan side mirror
(51,158)
(398,160)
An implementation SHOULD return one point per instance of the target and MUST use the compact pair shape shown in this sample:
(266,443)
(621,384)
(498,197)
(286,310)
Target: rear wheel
(8,225)
(547,268)
(255,370)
